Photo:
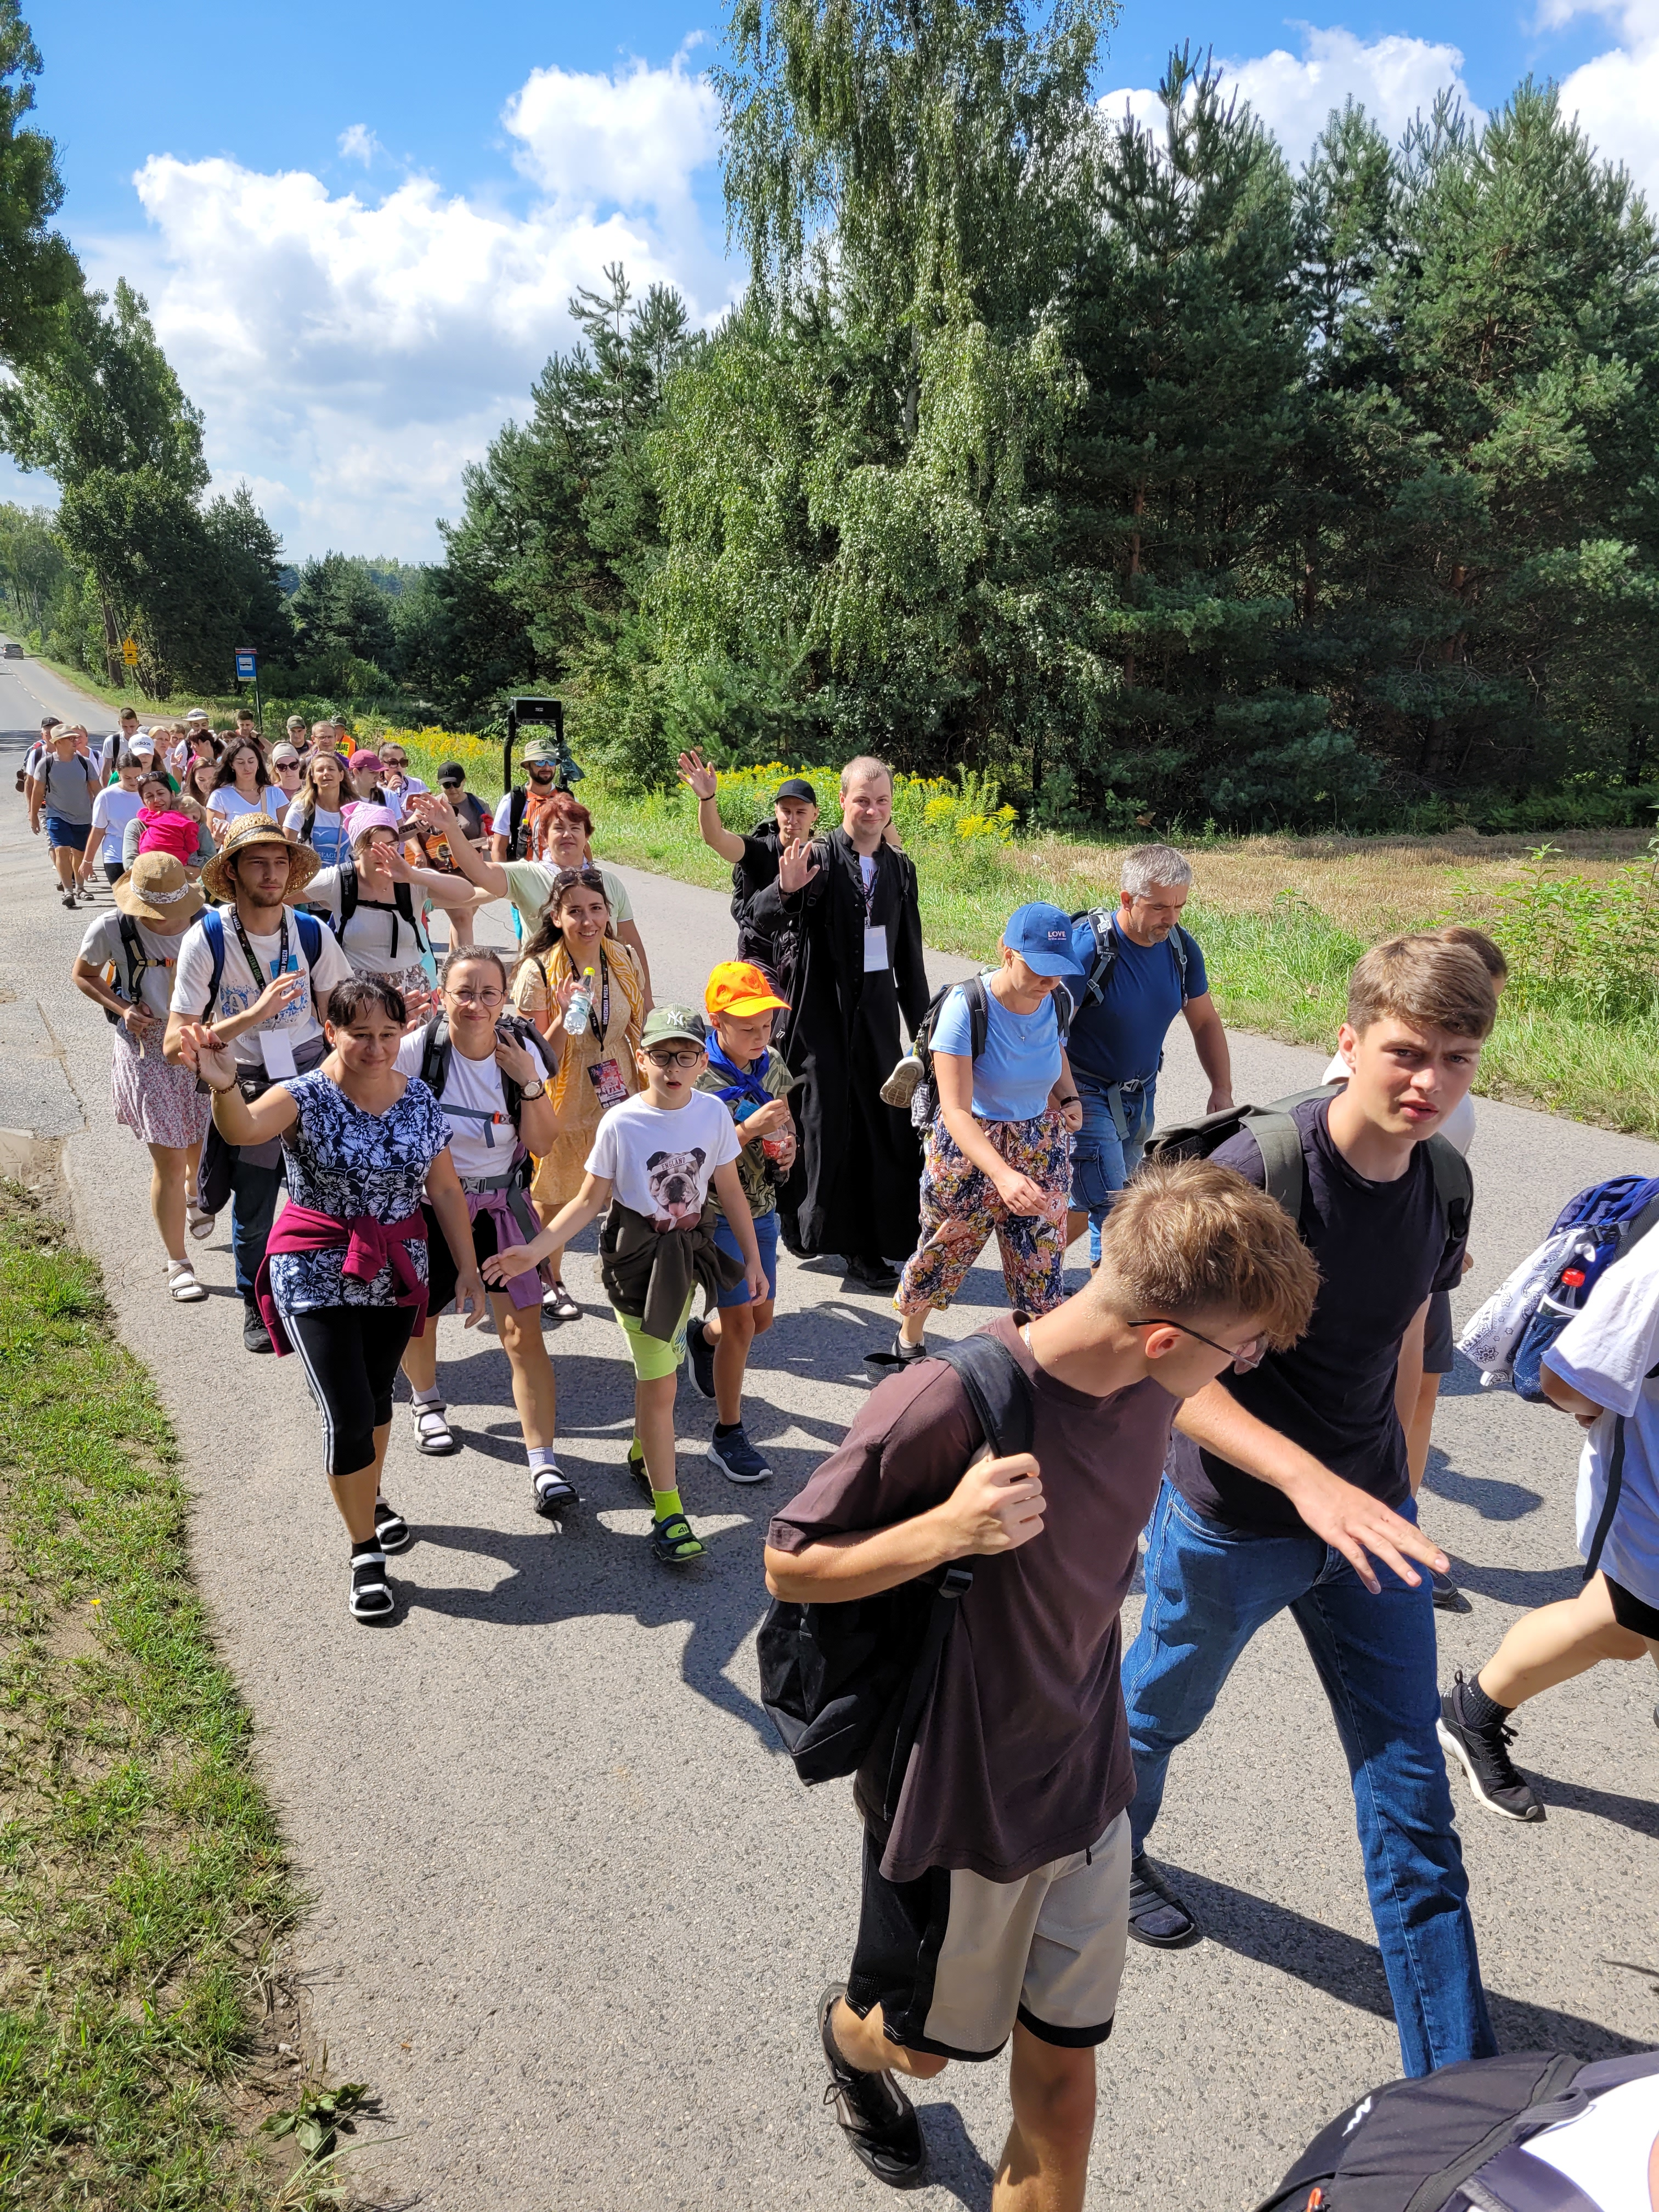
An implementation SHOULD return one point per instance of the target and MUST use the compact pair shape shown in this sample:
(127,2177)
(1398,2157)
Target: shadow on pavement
(955,2163)
(1639,1814)
(1351,1971)
(1525,1587)
(1487,1495)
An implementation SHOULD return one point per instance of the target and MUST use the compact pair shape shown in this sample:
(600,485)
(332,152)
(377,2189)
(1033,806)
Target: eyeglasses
(1249,1354)
(667,1060)
(491,999)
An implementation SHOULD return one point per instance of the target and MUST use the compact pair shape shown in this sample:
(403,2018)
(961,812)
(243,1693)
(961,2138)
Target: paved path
(572,1908)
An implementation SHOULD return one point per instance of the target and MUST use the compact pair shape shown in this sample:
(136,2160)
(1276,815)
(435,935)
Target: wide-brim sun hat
(257,829)
(157,889)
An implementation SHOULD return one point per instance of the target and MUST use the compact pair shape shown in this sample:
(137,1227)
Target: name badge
(606,1078)
(876,962)
(277,1048)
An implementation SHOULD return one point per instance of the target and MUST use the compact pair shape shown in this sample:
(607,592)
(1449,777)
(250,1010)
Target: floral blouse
(343,1161)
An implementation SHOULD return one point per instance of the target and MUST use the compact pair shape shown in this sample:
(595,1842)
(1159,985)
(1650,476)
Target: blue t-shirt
(1121,1039)
(1020,1064)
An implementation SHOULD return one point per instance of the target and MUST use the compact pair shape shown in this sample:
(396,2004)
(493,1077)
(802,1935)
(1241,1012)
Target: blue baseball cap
(1042,935)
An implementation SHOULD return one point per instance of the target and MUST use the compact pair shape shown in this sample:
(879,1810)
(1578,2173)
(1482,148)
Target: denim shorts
(766,1235)
(72,833)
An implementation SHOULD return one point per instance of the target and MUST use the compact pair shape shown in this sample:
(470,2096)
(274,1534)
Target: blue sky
(357,226)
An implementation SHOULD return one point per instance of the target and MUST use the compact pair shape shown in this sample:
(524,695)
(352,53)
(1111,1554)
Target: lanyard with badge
(605,1075)
(876,962)
(276,1046)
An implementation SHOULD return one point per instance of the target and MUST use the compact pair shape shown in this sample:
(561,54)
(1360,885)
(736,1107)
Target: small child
(755,1083)
(652,1160)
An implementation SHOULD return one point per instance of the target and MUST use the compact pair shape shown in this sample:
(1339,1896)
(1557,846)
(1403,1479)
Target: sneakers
(256,1337)
(872,1272)
(1448,1598)
(1484,1755)
(877,2119)
(1156,1915)
(700,1356)
(737,1458)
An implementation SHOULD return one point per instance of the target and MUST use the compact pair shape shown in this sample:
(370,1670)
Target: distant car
(11,651)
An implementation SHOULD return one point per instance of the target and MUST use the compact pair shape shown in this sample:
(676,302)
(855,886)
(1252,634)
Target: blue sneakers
(737,1458)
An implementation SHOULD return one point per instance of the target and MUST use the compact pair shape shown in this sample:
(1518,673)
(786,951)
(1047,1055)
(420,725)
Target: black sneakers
(1156,1915)
(1483,1754)
(871,1272)
(1448,1598)
(700,1356)
(877,2118)
(256,1337)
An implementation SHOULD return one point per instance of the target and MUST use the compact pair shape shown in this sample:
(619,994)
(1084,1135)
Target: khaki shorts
(954,1961)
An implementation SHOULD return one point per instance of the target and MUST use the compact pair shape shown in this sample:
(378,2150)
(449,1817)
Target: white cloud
(351,355)
(1393,77)
(1615,96)
(358,143)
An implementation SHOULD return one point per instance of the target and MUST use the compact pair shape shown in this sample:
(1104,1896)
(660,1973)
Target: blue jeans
(252,1209)
(1208,1591)
(1102,1158)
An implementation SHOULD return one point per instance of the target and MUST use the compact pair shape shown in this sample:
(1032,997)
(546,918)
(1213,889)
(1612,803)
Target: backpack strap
(1454,1186)
(1183,948)
(979,1015)
(138,961)
(1099,919)
(349,891)
(1432,2194)
(1610,1502)
(1515,2181)
(434,1056)
(995,1385)
(213,929)
(1279,1140)
(309,931)
(515,810)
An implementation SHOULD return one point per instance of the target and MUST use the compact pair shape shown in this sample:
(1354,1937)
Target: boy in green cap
(653,1158)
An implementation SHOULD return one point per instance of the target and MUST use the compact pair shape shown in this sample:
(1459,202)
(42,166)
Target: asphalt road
(571,1906)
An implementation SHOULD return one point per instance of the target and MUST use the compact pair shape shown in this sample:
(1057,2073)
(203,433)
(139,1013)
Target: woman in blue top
(999,1149)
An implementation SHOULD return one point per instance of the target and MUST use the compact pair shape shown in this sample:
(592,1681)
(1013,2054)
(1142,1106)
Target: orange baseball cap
(737,987)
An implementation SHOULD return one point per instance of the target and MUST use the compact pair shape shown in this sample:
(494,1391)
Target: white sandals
(182,1283)
(432,1434)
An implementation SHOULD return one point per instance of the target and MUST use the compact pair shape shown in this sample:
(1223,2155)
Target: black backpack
(744,885)
(924,1100)
(1280,1142)
(402,902)
(838,1680)
(1099,920)
(437,1049)
(1455,2139)
(136,961)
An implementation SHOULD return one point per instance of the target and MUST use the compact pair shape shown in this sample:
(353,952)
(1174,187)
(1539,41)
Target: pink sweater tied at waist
(370,1245)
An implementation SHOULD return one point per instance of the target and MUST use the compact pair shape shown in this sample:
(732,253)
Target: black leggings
(351,1355)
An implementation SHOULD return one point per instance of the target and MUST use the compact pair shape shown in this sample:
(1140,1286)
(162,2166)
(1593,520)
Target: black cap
(797,786)
(451,772)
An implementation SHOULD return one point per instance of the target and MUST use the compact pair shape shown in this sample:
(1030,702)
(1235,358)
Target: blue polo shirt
(1122,1039)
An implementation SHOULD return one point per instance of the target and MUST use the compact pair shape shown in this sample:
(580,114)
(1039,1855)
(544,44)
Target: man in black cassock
(849,903)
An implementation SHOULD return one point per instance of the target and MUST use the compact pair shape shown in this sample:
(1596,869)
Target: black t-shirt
(1382,1247)
(757,868)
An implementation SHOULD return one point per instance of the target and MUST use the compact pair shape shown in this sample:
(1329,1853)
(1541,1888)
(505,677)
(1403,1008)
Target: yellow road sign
(130,651)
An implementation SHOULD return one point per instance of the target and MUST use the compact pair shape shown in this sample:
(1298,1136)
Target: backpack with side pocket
(1280,1142)
(911,1081)
(838,1680)
(1099,919)
(437,1049)
(1454,2141)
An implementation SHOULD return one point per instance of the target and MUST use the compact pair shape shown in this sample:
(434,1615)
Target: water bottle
(577,1013)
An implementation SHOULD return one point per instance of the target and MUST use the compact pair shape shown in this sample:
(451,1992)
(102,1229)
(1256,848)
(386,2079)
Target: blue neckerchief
(746,1082)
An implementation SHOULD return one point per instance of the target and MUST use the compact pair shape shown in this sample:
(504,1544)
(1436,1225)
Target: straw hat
(256,829)
(157,889)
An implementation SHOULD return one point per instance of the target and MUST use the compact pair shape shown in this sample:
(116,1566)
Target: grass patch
(1282,919)
(142,1874)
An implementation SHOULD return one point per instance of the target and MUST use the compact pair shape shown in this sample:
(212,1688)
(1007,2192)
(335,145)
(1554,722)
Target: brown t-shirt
(1023,1753)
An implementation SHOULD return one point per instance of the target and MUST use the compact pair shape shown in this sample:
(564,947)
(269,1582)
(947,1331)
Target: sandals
(636,1468)
(549,1493)
(391,1529)
(182,1285)
(369,1597)
(559,1305)
(197,1223)
(432,1434)
(673,1543)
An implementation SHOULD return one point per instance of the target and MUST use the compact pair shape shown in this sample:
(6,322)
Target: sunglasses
(1249,1354)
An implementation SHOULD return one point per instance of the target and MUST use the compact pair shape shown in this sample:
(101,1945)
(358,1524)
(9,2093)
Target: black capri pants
(351,1355)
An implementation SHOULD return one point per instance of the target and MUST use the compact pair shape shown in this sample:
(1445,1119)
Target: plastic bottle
(577,1012)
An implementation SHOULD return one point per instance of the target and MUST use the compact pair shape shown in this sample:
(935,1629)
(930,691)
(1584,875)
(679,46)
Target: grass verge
(1282,919)
(142,1877)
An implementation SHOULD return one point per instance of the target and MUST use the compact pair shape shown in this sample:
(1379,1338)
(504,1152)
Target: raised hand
(202,1053)
(696,771)
(794,871)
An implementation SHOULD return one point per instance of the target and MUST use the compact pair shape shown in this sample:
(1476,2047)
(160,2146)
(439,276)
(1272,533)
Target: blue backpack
(309,929)
(1613,1216)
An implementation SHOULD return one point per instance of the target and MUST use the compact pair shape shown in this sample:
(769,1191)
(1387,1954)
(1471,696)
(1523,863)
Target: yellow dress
(576,1104)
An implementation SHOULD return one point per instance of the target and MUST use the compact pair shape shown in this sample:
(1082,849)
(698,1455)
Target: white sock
(543,1456)
(432,1397)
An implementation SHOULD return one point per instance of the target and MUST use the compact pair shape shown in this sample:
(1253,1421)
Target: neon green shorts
(655,1357)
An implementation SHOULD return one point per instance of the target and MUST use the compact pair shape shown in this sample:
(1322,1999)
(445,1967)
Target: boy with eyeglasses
(654,1159)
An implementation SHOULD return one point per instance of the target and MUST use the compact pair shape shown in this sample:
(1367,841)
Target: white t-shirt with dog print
(659,1162)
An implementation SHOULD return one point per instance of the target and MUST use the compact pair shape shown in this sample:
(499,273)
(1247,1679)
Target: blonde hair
(1188,1238)
(1424,979)
(865,764)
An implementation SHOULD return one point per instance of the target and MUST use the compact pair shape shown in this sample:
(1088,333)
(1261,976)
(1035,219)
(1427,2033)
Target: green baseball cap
(666,1024)
(541,749)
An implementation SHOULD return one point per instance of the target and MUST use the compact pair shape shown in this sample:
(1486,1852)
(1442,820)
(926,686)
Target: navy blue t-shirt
(1122,1039)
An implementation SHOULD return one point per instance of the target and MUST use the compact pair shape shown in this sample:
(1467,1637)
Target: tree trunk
(1636,757)
(115,667)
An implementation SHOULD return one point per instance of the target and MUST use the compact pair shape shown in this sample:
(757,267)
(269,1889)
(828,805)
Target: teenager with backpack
(1140,968)
(754,858)
(1289,1477)
(998,1154)
(489,1078)
(258,974)
(125,965)
(993,1787)
(1603,1368)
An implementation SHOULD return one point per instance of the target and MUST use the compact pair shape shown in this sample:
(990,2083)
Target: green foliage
(1576,943)
(38,272)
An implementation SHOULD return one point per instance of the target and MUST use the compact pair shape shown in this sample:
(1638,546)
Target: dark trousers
(252,1208)
(351,1356)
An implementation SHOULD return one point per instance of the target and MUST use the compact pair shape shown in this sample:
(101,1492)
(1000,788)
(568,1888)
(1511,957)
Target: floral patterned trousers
(960,1209)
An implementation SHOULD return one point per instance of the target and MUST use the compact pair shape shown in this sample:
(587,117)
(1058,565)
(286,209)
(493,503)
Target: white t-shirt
(238,989)
(478,1148)
(1457,1129)
(378,940)
(230,803)
(1606,2150)
(102,943)
(1606,1351)
(111,810)
(660,1162)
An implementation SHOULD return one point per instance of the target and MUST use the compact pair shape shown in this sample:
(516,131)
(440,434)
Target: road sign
(130,651)
(247,664)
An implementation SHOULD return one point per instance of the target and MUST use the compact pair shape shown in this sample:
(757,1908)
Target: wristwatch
(536,1090)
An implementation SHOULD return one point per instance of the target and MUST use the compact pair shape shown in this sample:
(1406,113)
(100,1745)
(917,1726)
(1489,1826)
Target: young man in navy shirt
(1156,972)
(1327,1492)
